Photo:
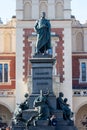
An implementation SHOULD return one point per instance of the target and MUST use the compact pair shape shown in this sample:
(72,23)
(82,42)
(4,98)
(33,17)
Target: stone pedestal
(42,128)
(58,114)
(42,78)
(60,127)
(42,74)
(43,125)
(27,114)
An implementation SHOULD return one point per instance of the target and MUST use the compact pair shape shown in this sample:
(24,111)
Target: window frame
(80,77)
(3,80)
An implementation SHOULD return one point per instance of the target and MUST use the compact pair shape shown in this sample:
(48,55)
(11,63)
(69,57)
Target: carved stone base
(27,114)
(58,114)
(61,124)
(59,127)
(41,128)
(42,123)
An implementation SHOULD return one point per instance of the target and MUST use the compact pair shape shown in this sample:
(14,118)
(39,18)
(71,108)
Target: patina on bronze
(42,28)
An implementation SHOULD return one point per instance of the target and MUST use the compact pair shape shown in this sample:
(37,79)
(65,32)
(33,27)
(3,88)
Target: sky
(7,9)
(78,7)
(79,10)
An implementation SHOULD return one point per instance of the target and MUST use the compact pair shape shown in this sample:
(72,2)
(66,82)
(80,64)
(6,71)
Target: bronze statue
(43,30)
(42,105)
(62,105)
(24,105)
(19,110)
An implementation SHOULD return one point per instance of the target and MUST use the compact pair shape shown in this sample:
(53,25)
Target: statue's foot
(34,123)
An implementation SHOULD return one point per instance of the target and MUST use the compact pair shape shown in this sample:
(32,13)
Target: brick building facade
(70,50)
(7,70)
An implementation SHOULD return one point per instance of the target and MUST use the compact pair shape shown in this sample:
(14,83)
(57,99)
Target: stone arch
(7,43)
(5,113)
(27,11)
(59,7)
(79,42)
(81,117)
(7,106)
(43,8)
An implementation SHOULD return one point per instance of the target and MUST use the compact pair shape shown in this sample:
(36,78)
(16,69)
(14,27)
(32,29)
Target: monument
(42,110)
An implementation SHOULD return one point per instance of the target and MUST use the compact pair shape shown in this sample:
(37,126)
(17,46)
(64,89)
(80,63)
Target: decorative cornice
(79,92)
(79,53)
(7,54)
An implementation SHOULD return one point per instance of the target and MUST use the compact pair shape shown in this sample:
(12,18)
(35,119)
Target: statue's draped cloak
(42,28)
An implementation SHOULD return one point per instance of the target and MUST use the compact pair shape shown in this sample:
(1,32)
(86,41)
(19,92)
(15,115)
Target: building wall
(60,9)
(77,84)
(7,69)
(79,73)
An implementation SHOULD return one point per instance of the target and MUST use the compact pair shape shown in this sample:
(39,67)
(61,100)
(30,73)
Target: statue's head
(61,94)
(65,100)
(43,15)
(26,95)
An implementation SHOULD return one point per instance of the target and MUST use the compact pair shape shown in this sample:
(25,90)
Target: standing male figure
(43,30)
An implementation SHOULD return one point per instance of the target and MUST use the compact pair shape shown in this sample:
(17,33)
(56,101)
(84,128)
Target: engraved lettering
(42,83)
(42,78)
(42,73)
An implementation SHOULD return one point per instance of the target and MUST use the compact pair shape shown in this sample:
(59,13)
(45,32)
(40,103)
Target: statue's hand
(36,22)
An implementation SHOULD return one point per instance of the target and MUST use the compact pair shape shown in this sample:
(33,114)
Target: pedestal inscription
(42,74)
(42,79)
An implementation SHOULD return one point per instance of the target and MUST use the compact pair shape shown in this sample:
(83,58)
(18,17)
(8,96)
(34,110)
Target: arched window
(7,43)
(43,8)
(79,42)
(27,11)
(59,10)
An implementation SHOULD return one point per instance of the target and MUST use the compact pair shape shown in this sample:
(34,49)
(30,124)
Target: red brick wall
(10,85)
(59,51)
(76,72)
(27,53)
